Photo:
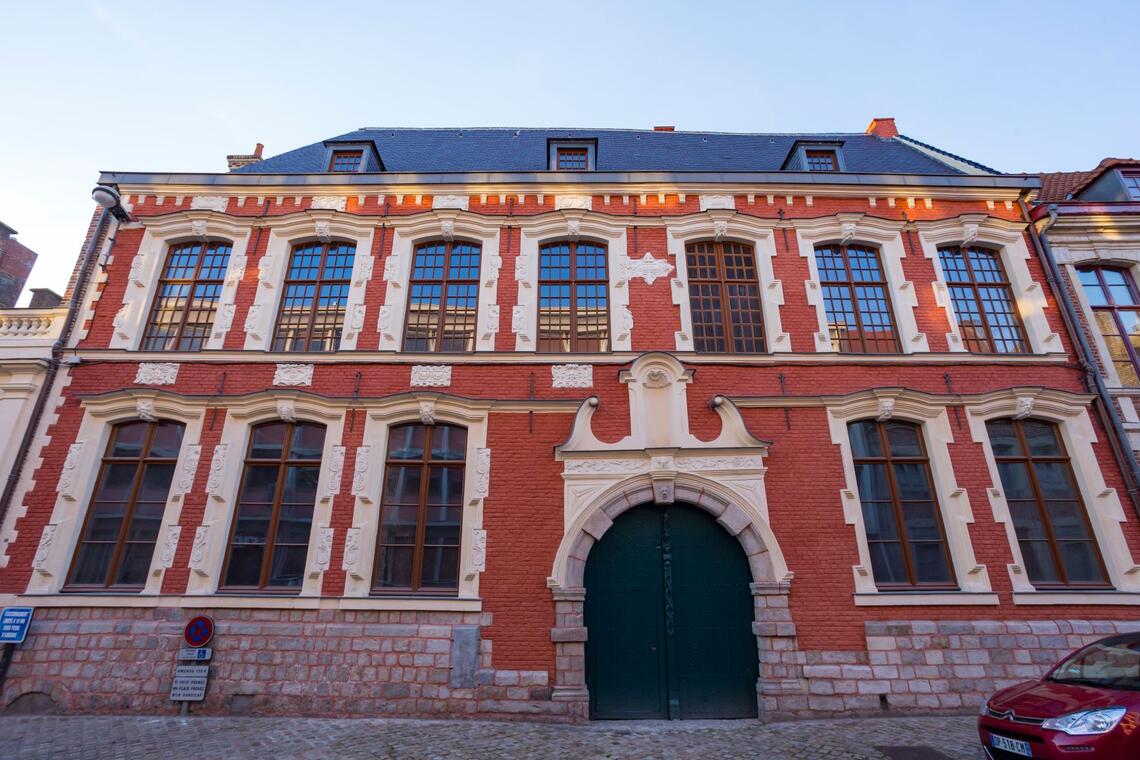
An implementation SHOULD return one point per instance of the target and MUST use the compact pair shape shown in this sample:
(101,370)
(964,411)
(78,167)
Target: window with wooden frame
(821,161)
(724,297)
(1111,293)
(443,297)
(573,297)
(573,159)
(315,297)
(186,299)
(345,161)
(1132,184)
(983,300)
(421,510)
(904,529)
(117,542)
(1049,517)
(269,539)
(857,300)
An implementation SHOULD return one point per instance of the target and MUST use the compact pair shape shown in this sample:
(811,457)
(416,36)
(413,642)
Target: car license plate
(1016,746)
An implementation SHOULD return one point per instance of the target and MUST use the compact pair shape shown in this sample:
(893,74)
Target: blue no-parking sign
(14,622)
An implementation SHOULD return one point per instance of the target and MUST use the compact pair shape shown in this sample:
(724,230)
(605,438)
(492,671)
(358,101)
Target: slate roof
(618,150)
(1058,186)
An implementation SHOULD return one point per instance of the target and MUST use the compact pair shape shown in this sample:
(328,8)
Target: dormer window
(345,161)
(1132,184)
(572,155)
(821,161)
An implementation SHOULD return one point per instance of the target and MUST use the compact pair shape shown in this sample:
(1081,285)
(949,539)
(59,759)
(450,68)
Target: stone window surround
(885,236)
(1069,412)
(720,224)
(571,224)
(99,417)
(953,502)
(1008,238)
(286,233)
(159,234)
(440,224)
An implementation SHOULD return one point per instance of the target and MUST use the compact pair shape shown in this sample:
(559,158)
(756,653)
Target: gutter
(1106,409)
(78,295)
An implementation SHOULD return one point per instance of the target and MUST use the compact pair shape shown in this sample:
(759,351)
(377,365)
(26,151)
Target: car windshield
(1111,664)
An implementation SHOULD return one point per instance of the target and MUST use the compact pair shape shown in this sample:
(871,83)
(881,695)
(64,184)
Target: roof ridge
(598,129)
(954,156)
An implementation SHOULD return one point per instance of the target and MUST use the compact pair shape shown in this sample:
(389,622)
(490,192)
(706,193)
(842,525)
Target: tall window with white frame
(724,297)
(186,300)
(857,299)
(573,297)
(1049,518)
(904,528)
(443,297)
(1111,292)
(983,300)
(269,538)
(315,297)
(421,510)
(119,534)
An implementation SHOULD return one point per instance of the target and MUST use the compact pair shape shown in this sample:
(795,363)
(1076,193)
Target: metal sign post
(190,681)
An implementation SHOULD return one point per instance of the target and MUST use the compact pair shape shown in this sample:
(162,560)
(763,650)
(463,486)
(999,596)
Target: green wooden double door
(669,616)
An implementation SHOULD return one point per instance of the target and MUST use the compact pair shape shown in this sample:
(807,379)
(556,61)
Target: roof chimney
(664,129)
(239,160)
(883,127)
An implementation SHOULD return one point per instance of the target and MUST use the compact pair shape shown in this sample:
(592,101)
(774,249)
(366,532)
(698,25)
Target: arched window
(904,528)
(269,540)
(1112,295)
(187,297)
(983,300)
(315,297)
(573,297)
(1048,515)
(856,297)
(421,510)
(118,537)
(443,297)
(724,297)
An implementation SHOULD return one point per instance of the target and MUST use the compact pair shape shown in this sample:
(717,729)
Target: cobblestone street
(927,738)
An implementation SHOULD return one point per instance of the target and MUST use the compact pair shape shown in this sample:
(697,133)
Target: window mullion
(896,499)
(725,311)
(421,511)
(1039,497)
(129,507)
(573,347)
(275,512)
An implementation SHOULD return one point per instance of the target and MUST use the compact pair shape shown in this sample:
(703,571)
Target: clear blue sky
(164,86)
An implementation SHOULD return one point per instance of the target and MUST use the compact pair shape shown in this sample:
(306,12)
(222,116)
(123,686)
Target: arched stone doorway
(669,612)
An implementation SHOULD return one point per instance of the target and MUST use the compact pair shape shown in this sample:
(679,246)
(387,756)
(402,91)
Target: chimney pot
(669,128)
(258,149)
(883,126)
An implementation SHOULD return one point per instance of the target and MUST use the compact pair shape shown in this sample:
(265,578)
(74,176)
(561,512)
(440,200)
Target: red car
(1087,707)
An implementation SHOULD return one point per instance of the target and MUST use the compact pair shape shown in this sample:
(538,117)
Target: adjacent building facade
(568,424)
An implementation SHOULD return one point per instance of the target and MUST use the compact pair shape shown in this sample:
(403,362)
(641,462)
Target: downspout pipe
(1094,381)
(78,295)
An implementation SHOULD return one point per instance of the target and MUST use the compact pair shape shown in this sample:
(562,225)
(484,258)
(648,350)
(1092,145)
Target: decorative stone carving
(43,551)
(573,228)
(329,203)
(356,319)
(717,201)
(236,270)
(742,462)
(362,270)
(1024,408)
(184,483)
(392,270)
(522,271)
(198,550)
(384,323)
(657,378)
(287,410)
(169,546)
(264,273)
(324,549)
(662,463)
(447,229)
(293,374)
(252,317)
(156,373)
(572,375)
(847,232)
(431,375)
(604,466)
(225,319)
(969,233)
(494,263)
(647,268)
(323,231)
(351,561)
(482,474)
(720,230)
(886,409)
(664,491)
(360,472)
(335,472)
(200,229)
(144,407)
(625,322)
(70,465)
(119,323)
(491,323)
(519,322)
(135,275)
(210,203)
(461,202)
(217,471)
(479,550)
(427,412)
(584,202)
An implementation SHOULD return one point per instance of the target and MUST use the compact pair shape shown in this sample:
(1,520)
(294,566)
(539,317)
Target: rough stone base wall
(925,666)
(295,662)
